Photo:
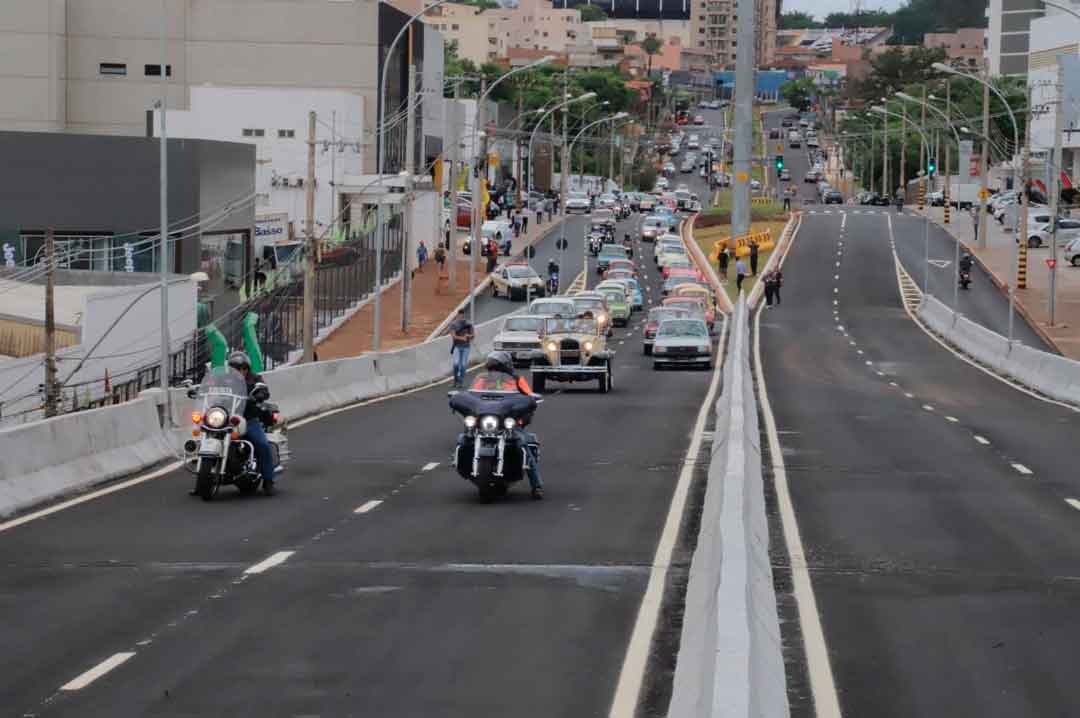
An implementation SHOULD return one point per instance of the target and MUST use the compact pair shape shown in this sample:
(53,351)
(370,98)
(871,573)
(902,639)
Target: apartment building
(483,36)
(1054,47)
(713,27)
(966,45)
(1008,34)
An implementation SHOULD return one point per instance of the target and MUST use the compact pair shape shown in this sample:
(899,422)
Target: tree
(650,46)
(795,20)
(919,17)
(862,18)
(895,68)
(592,13)
(797,93)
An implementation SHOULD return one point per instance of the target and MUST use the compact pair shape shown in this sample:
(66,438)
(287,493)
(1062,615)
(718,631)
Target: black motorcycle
(489,452)
(965,278)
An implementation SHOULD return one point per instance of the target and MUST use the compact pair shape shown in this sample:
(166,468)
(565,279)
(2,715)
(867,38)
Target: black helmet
(239,360)
(500,361)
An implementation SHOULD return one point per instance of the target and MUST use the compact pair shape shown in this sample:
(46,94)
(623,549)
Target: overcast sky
(821,8)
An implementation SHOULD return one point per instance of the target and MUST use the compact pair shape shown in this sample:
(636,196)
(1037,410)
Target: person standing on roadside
(524,211)
(740,273)
(723,261)
(769,280)
(753,257)
(778,281)
(461,335)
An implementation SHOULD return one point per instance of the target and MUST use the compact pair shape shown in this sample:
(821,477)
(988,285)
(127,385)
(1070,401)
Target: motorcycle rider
(553,275)
(498,375)
(966,263)
(256,433)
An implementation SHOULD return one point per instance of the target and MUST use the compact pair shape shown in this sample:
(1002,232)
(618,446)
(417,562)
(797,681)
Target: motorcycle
(595,242)
(219,454)
(965,278)
(489,452)
(553,284)
(629,245)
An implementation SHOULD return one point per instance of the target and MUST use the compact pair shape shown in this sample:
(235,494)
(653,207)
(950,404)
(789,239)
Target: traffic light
(931,166)
(779,162)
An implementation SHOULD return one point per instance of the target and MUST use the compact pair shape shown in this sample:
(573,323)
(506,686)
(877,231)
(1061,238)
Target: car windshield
(565,308)
(614,295)
(522,272)
(588,304)
(570,326)
(683,328)
(659,314)
(523,324)
(609,251)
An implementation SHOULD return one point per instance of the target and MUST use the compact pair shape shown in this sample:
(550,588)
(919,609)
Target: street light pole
(926,220)
(164,201)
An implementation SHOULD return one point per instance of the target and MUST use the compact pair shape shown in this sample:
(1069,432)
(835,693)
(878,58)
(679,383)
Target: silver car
(682,342)
(520,336)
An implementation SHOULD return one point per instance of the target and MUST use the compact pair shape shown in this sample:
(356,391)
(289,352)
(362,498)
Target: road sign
(1051,263)
(779,147)
(742,176)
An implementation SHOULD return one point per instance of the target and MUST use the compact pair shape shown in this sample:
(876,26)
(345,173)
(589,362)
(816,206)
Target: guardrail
(730,662)
(1048,374)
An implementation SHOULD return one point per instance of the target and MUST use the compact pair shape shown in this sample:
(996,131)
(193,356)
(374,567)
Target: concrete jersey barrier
(730,662)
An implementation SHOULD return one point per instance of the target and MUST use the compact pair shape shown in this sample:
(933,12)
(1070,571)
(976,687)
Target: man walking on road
(461,334)
(753,257)
(722,261)
(740,273)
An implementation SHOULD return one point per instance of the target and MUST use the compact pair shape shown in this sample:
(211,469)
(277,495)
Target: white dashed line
(869,363)
(369,506)
(927,407)
(893,383)
(82,681)
(430,465)
(838,264)
(952,419)
(881,373)
(836,276)
(836,290)
(1020,468)
(982,440)
(909,395)
(1074,503)
(835,302)
(268,563)
(859,352)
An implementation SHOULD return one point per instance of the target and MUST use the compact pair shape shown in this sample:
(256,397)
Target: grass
(776,227)
(758,212)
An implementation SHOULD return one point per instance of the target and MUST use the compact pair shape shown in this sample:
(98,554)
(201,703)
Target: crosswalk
(847,211)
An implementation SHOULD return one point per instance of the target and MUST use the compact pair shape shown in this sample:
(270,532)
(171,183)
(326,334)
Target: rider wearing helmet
(498,375)
(966,262)
(256,433)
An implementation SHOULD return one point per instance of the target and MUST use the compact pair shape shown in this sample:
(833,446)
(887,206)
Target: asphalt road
(931,497)
(428,603)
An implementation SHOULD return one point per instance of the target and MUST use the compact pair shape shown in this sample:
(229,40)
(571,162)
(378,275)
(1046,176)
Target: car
(774,133)
(652,323)
(662,182)
(699,120)
(811,142)
(785,175)
(794,139)
(670,253)
(668,214)
(669,170)
(552,306)
(684,200)
(679,280)
(684,341)
(498,229)
(653,227)
(622,283)
(606,201)
(1072,253)
(1039,233)
(516,280)
(605,217)
(833,196)
(687,166)
(573,349)
(811,177)
(626,265)
(607,253)
(696,305)
(667,243)
(593,303)
(646,203)
(618,304)
(694,143)
(935,199)
(520,337)
(577,202)
(755,185)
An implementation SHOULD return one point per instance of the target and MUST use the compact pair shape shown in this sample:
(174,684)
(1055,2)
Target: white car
(517,280)
(681,342)
(665,241)
(652,228)
(694,143)
(551,306)
(1039,232)
(1072,253)
(662,183)
(520,336)
(578,202)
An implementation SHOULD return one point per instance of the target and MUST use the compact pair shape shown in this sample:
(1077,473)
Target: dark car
(875,200)
(833,196)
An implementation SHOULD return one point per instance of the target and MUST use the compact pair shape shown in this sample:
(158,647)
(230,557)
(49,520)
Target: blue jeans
(265,458)
(532,446)
(460,360)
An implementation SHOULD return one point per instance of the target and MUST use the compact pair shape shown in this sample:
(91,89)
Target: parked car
(1072,253)
(1039,232)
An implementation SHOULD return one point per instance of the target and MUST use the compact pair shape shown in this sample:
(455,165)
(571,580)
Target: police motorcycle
(596,240)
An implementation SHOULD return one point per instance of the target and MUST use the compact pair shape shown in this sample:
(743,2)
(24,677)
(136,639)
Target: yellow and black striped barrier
(922,193)
(763,240)
(948,208)
(1021,268)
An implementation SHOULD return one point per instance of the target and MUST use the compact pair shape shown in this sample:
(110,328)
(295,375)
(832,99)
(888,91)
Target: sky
(821,8)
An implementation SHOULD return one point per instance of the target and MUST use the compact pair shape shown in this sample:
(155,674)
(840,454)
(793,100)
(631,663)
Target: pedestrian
(492,255)
(509,210)
(723,261)
(440,258)
(461,335)
(524,212)
(975,222)
(769,280)
(421,256)
(778,281)
(540,213)
(740,273)
(753,257)
(517,223)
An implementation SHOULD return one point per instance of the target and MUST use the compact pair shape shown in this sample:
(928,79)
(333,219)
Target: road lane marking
(1020,468)
(953,419)
(909,395)
(82,681)
(869,363)
(893,383)
(1074,503)
(927,407)
(982,440)
(632,674)
(268,563)
(859,352)
(430,465)
(822,685)
(369,506)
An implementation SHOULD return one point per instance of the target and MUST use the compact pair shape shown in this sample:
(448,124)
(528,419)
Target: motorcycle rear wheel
(206,485)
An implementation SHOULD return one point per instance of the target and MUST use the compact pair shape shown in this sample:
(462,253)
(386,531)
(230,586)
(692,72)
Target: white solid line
(632,674)
(981,440)
(1074,503)
(370,505)
(953,419)
(82,681)
(429,466)
(1022,469)
(268,563)
(822,686)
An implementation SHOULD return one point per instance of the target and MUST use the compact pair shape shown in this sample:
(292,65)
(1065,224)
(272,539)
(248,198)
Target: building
(1054,45)
(1007,34)
(669,57)
(472,31)
(966,45)
(713,27)
(637,29)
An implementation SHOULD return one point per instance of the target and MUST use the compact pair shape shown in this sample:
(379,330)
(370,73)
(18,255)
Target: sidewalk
(999,259)
(429,308)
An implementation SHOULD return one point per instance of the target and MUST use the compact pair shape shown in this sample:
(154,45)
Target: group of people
(724,261)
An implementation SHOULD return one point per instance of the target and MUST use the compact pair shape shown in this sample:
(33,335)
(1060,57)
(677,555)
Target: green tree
(894,69)
(592,13)
(919,17)
(650,46)
(863,18)
(798,93)
(795,20)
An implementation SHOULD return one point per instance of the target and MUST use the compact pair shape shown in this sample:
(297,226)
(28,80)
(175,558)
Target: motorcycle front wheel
(488,486)
(206,485)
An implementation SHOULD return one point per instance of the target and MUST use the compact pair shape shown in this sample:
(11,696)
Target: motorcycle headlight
(601,318)
(489,423)
(509,423)
(552,346)
(588,346)
(216,417)
(470,422)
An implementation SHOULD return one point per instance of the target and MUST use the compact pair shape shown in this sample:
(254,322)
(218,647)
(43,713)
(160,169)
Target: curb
(1002,287)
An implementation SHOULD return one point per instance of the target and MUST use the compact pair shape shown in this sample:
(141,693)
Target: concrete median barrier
(730,661)
(48,459)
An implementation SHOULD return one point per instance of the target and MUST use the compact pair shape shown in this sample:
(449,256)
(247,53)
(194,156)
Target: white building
(1055,41)
(276,122)
(1008,33)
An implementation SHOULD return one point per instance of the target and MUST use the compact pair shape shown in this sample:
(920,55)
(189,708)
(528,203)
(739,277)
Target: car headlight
(588,346)
(601,318)
(704,348)
(489,423)
(509,423)
(470,422)
(216,417)
(552,346)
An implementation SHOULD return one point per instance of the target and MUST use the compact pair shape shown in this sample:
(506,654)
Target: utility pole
(923,149)
(744,119)
(479,175)
(163,252)
(1022,225)
(333,170)
(50,325)
(984,160)
(611,155)
(885,191)
(903,146)
(520,158)
(407,200)
(564,168)
(451,251)
(1055,186)
(948,156)
(309,266)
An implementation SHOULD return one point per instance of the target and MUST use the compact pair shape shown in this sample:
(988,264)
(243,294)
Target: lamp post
(540,123)
(612,118)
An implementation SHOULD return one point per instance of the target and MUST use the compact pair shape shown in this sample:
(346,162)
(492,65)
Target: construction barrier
(761,200)
(763,240)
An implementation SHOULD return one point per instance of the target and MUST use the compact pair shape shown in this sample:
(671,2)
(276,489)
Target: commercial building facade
(713,27)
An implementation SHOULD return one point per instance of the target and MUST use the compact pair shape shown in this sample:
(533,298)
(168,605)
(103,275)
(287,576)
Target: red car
(676,270)
(621,264)
(694,304)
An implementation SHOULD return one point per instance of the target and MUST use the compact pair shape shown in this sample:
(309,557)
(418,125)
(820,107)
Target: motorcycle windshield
(478,403)
(224,387)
